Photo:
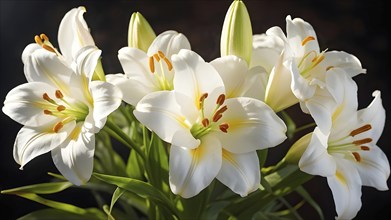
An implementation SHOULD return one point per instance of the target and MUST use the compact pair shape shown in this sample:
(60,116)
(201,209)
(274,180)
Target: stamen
(356,156)
(44,37)
(220,99)
(156,57)
(169,64)
(151,64)
(47,112)
(216,117)
(329,67)
(222,110)
(48,48)
(307,39)
(161,54)
(46,97)
(38,40)
(205,122)
(61,108)
(360,130)
(365,148)
(362,141)
(58,126)
(224,127)
(203,97)
(59,94)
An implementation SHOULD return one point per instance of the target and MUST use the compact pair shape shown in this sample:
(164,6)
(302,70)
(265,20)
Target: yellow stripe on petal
(341,178)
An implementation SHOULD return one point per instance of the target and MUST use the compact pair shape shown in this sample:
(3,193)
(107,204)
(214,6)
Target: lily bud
(140,33)
(297,149)
(236,36)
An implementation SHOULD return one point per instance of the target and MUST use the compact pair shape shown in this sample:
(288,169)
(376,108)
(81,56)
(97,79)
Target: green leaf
(158,163)
(135,166)
(140,188)
(50,214)
(42,188)
(116,195)
(307,197)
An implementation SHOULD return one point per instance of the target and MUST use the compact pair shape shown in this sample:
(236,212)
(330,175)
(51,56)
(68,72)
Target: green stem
(117,133)
(305,127)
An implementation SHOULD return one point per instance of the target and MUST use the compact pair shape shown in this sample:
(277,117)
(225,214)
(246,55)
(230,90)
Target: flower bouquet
(197,132)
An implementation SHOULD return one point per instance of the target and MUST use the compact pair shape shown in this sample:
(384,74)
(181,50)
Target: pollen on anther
(306,40)
(38,40)
(161,54)
(216,117)
(44,37)
(220,99)
(362,141)
(60,108)
(169,64)
(205,122)
(59,94)
(156,56)
(365,148)
(47,112)
(224,127)
(151,64)
(46,97)
(356,156)
(58,126)
(329,68)
(360,130)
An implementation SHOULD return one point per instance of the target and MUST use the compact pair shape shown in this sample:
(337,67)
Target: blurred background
(357,27)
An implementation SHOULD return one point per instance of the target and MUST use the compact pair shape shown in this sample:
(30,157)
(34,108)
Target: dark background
(357,27)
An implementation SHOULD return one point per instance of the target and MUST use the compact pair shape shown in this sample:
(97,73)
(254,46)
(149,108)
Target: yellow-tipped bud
(140,33)
(236,36)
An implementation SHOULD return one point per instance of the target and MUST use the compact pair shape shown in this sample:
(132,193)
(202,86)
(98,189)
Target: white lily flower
(347,153)
(211,136)
(151,71)
(60,108)
(302,65)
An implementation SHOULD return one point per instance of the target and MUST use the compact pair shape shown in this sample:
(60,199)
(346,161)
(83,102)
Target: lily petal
(374,168)
(73,33)
(132,90)
(107,98)
(74,158)
(86,60)
(169,42)
(340,59)
(346,188)
(33,142)
(25,104)
(45,66)
(252,126)
(160,112)
(192,170)
(193,76)
(315,159)
(240,172)
(375,115)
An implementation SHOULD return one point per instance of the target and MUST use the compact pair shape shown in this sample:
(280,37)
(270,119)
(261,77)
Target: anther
(365,148)
(220,99)
(224,127)
(205,122)
(362,141)
(47,112)
(307,39)
(151,64)
(356,156)
(360,130)
(58,126)
(59,94)
(329,67)
(156,57)
(48,48)
(161,54)
(46,97)
(169,64)
(44,37)
(216,117)
(60,108)
(38,40)
(203,97)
